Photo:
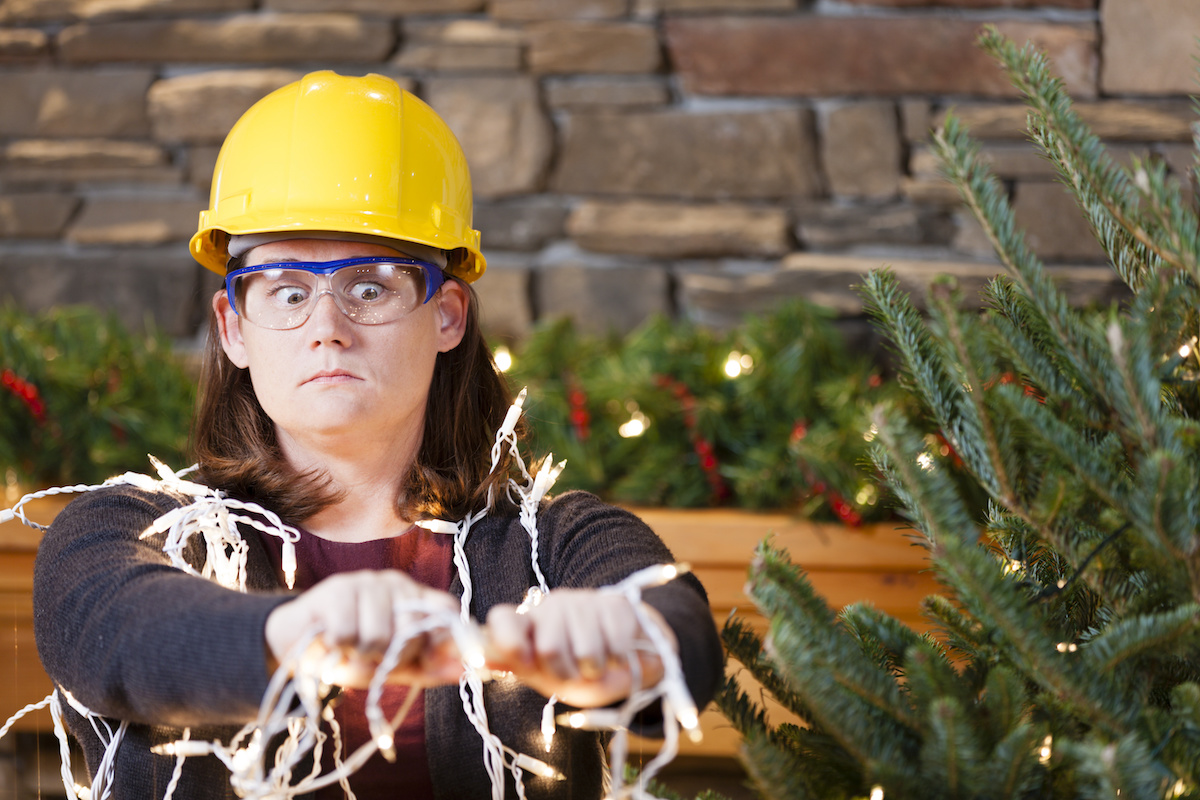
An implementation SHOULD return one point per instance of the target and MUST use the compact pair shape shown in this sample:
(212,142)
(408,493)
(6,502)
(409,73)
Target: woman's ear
(230,330)
(453,301)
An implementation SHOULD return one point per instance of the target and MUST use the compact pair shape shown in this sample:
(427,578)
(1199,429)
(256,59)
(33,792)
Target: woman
(353,417)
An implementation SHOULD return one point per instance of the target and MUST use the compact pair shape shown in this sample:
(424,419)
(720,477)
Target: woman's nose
(326,318)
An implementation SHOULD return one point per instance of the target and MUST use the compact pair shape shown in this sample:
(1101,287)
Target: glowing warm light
(1013,566)
(1179,789)
(1061,582)
(475,659)
(636,425)
(384,741)
(871,433)
(925,462)
(738,364)
(670,572)
(537,767)
(548,730)
(1185,351)
(503,357)
(867,496)
(83,792)
(1044,751)
(577,719)
(876,793)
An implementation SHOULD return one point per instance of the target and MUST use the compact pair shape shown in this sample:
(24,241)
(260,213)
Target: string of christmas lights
(296,700)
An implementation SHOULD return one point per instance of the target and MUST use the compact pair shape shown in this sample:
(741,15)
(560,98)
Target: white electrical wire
(296,698)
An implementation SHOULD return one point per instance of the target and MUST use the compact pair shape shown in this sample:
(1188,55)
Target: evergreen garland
(788,432)
(82,398)
(1065,660)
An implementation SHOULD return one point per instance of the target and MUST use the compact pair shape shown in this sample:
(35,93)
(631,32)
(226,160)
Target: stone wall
(695,157)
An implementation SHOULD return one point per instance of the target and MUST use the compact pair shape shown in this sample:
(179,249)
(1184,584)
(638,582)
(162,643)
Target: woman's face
(332,382)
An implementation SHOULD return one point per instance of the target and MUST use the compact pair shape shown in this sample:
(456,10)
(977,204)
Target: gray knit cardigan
(133,638)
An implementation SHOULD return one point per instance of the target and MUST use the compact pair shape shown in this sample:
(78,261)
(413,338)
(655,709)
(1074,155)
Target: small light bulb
(733,364)
(537,767)
(577,719)
(871,433)
(670,572)
(504,359)
(876,793)
(1185,351)
(1044,751)
(636,425)
(384,741)
(925,462)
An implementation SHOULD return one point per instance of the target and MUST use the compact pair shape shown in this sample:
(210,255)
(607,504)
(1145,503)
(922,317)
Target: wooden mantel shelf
(880,563)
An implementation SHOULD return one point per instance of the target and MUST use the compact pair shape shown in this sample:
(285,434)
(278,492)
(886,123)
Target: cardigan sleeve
(596,544)
(132,637)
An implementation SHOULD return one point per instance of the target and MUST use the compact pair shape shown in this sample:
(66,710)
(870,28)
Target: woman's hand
(576,644)
(358,614)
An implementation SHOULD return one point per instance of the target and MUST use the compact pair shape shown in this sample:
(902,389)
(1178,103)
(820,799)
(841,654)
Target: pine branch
(996,601)
(1158,634)
(851,698)
(1081,159)
(745,645)
(1080,352)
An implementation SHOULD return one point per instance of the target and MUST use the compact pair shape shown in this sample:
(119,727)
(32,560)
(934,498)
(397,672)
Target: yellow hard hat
(345,155)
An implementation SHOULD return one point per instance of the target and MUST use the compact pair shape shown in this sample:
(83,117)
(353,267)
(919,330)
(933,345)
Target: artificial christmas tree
(1066,661)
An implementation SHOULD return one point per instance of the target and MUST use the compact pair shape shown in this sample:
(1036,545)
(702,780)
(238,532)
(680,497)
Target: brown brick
(379,7)
(988,4)
(140,220)
(756,154)
(1055,227)
(69,10)
(22,45)
(916,120)
(568,46)
(505,308)
(679,230)
(808,55)
(201,161)
(65,103)
(462,45)
(522,223)
(156,282)
(246,38)
(601,299)
(1150,46)
(202,107)
(835,226)
(502,128)
(35,215)
(861,150)
(828,279)
(600,91)
(32,161)
(1006,160)
(534,10)
(647,7)
(1146,121)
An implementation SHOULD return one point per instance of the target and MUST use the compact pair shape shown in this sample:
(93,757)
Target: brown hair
(233,439)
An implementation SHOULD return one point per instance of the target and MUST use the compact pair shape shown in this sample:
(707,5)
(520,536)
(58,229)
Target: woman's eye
(366,291)
(289,295)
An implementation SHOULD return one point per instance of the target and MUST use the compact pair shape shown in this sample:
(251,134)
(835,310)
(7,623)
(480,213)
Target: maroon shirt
(428,558)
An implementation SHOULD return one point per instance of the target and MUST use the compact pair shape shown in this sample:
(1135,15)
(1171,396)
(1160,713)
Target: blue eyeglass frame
(434,277)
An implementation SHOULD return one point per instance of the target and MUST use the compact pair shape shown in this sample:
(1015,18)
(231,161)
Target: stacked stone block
(702,158)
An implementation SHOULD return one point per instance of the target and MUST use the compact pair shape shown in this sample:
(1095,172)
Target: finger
(376,625)
(509,644)
(552,640)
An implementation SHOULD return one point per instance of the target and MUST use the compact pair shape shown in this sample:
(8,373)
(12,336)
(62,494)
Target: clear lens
(369,294)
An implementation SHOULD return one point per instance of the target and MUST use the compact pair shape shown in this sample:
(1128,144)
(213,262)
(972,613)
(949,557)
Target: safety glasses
(370,290)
